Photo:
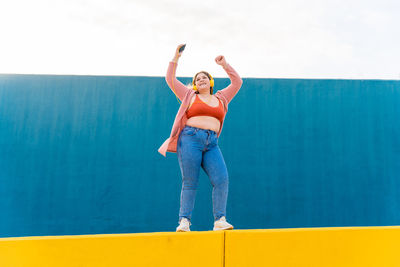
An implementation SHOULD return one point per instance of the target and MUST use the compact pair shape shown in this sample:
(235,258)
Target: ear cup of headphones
(211,81)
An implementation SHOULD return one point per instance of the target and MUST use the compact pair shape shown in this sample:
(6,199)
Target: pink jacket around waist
(185,95)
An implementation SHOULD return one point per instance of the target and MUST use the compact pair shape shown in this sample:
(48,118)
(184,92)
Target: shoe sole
(219,229)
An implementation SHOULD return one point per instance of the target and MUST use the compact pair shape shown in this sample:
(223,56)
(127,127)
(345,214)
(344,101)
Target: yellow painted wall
(319,247)
(322,247)
(152,249)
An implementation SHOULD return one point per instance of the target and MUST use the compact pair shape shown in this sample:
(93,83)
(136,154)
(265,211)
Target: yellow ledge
(147,249)
(339,246)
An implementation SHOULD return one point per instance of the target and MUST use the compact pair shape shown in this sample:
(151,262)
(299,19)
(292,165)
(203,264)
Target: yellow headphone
(210,77)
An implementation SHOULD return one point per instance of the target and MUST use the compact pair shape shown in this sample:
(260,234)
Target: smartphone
(182,48)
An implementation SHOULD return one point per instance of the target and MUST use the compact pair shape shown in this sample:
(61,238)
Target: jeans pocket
(189,131)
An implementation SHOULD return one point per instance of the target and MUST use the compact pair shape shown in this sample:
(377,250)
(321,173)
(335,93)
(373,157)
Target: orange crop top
(199,108)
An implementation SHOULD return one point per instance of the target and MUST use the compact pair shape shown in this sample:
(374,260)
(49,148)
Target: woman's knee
(220,181)
(190,183)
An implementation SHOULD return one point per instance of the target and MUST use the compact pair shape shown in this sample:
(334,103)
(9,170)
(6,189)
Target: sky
(340,39)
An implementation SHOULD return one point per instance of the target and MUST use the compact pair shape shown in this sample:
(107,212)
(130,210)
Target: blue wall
(78,155)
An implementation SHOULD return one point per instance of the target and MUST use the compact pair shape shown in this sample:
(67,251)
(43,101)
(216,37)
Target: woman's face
(202,83)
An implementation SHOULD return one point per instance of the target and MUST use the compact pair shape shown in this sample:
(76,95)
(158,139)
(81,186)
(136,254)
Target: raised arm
(236,82)
(176,86)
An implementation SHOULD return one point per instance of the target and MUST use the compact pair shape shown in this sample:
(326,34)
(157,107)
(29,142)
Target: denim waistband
(201,129)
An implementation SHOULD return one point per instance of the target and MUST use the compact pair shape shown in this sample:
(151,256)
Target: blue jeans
(199,147)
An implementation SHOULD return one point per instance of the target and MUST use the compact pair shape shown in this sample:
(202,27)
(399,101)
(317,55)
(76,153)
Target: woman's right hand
(177,53)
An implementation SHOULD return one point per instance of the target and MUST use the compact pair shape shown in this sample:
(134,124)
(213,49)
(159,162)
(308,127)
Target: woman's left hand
(220,60)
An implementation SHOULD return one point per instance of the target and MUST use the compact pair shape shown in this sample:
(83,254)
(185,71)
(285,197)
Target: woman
(194,137)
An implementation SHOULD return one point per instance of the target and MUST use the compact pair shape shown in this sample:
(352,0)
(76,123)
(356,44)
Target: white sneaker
(183,226)
(222,224)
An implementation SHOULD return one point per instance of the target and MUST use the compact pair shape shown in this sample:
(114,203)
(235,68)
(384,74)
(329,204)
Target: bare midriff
(205,122)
